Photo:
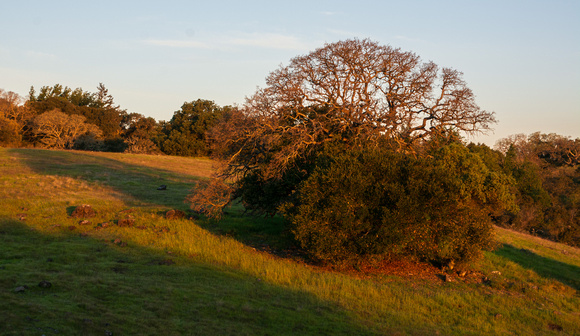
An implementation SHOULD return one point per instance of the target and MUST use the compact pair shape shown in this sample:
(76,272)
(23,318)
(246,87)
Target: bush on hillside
(9,132)
(374,201)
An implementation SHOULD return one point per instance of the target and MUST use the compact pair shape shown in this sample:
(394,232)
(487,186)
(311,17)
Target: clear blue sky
(521,58)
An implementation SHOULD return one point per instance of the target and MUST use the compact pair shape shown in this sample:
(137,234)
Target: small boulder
(166,262)
(126,222)
(20,289)
(119,242)
(162,187)
(445,277)
(44,284)
(174,214)
(84,211)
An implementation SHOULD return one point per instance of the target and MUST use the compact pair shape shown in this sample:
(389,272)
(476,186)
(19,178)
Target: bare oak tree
(354,90)
(56,129)
(13,107)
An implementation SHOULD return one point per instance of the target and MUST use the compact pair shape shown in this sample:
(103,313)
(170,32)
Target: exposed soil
(400,267)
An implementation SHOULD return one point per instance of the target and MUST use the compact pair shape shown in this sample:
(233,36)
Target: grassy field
(190,276)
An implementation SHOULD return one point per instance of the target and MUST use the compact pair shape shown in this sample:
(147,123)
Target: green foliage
(97,108)
(116,145)
(89,142)
(374,201)
(139,132)
(547,174)
(265,196)
(185,133)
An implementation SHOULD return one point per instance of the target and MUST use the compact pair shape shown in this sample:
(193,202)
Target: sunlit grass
(192,276)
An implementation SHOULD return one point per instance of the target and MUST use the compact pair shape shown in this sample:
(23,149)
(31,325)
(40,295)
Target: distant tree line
(62,118)
(546,173)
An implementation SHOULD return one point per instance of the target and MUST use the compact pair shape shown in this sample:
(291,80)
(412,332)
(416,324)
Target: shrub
(9,132)
(117,145)
(374,201)
(88,142)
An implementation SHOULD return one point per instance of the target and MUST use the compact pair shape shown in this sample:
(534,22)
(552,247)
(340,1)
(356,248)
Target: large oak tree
(355,143)
(353,90)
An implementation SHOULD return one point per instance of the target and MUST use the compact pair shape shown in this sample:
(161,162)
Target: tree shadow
(545,267)
(101,288)
(138,183)
(270,234)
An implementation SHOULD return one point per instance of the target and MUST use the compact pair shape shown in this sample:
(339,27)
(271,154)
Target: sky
(520,58)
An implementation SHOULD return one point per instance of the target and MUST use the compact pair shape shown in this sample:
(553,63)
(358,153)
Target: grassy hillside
(150,275)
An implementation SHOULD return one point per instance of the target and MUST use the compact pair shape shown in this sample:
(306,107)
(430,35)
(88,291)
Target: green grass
(197,277)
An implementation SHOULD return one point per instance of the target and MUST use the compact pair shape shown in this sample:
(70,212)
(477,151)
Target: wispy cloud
(260,40)
(41,55)
(343,33)
(179,44)
(270,41)
(408,39)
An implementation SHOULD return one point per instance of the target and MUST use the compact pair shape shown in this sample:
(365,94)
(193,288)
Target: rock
(462,273)
(119,242)
(20,289)
(167,262)
(445,277)
(84,211)
(126,222)
(174,214)
(555,327)
(451,264)
(162,187)
(84,222)
(44,284)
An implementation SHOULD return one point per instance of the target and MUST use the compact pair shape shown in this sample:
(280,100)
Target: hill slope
(130,270)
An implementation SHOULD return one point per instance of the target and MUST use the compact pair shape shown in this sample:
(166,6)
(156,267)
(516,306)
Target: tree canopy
(353,91)
(185,133)
(60,130)
(98,108)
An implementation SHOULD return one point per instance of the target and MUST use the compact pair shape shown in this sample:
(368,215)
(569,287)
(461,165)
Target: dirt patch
(84,211)
(399,267)
(175,214)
